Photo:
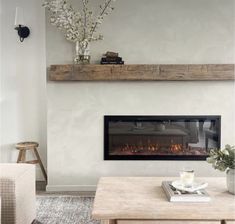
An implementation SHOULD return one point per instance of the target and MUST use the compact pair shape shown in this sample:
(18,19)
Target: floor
(63,207)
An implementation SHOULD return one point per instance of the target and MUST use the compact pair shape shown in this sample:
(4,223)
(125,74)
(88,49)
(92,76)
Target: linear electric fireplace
(160,137)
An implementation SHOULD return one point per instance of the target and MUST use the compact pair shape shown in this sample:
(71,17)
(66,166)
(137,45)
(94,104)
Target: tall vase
(82,52)
(231,181)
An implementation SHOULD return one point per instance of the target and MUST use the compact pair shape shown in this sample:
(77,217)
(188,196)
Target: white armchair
(17,191)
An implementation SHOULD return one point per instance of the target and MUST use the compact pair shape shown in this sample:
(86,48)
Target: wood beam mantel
(142,72)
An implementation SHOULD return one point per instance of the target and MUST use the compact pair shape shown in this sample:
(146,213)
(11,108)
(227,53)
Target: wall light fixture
(23,31)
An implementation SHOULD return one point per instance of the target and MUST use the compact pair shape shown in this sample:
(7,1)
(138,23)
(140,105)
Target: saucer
(195,186)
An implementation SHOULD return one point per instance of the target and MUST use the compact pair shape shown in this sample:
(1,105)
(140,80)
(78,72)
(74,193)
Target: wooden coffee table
(141,200)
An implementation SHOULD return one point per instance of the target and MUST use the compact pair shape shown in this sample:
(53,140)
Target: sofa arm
(17,187)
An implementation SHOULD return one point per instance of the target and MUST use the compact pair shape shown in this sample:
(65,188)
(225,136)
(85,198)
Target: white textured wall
(152,31)
(159,31)
(23,79)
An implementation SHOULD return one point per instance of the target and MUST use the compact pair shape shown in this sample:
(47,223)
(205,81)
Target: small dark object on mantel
(111,58)
(111,54)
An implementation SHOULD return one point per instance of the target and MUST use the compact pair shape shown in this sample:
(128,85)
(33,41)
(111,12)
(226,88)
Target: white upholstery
(0,210)
(17,190)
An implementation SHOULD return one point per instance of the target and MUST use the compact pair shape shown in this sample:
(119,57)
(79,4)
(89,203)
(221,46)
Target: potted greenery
(224,160)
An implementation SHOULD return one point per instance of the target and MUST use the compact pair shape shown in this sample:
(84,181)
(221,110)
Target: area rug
(64,210)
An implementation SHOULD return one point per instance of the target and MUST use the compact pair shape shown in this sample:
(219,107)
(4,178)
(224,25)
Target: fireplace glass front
(160,137)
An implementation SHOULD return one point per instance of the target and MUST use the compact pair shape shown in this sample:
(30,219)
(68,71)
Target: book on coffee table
(175,195)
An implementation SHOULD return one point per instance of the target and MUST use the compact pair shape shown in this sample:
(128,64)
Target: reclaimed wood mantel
(142,72)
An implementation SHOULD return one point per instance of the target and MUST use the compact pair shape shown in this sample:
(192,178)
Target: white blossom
(80,25)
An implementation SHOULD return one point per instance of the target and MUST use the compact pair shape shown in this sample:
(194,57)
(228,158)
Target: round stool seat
(27,145)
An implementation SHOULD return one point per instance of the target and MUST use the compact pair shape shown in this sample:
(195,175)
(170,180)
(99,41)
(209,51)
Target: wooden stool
(23,147)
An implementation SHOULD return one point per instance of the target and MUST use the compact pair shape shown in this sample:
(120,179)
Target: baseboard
(71,187)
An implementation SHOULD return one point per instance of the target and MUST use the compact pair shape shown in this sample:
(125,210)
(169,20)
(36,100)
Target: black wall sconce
(23,31)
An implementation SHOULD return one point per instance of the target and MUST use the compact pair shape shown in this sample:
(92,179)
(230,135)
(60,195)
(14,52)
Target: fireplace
(160,137)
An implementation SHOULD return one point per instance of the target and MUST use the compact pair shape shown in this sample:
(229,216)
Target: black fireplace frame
(108,118)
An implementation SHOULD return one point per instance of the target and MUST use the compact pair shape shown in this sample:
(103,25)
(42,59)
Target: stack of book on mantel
(111,58)
(175,195)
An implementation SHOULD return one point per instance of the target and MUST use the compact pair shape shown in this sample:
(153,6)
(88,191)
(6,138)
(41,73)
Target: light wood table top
(143,198)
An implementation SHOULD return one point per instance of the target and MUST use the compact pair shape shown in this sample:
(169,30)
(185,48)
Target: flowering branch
(101,16)
(77,26)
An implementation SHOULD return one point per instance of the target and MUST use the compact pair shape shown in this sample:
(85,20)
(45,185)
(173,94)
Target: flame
(175,148)
(136,148)
(150,147)
(153,147)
